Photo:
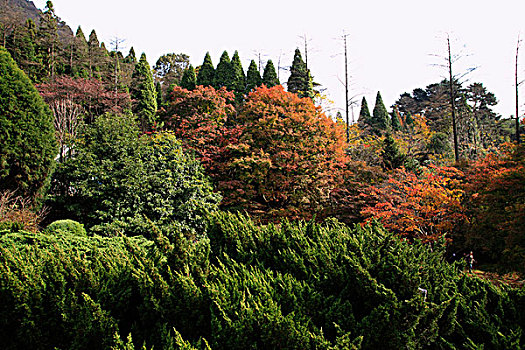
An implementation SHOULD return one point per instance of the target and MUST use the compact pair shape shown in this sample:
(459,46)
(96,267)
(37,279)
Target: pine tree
(224,72)
(27,138)
(189,79)
(143,93)
(392,156)
(380,119)
(253,77)
(396,119)
(206,75)
(238,81)
(270,75)
(300,80)
(364,113)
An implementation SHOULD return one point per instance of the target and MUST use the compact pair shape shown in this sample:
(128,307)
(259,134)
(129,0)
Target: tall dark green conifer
(253,77)
(380,119)
(206,75)
(80,55)
(27,134)
(21,45)
(238,81)
(224,72)
(131,58)
(270,75)
(300,80)
(48,40)
(392,156)
(94,55)
(143,93)
(364,113)
(396,119)
(158,90)
(189,79)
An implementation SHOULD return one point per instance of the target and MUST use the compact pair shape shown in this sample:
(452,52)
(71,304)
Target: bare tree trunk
(346,92)
(517,90)
(452,102)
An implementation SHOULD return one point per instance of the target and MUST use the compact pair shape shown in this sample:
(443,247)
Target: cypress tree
(380,119)
(48,40)
(300,80)
(224,72)
(238,81)
(253,77)
(364,113)
(143,93)
(94,54)
(206,75)
(80,55)
(27,134)
(189,79)
(270,75)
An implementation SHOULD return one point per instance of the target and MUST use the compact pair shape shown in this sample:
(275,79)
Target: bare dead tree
(116,42)
(517,84)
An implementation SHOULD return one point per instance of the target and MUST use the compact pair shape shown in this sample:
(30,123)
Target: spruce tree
(253,77)
(300,80)
(143,93)
(270,75)
(364,113)
(238,81)
(380,119)
(206,75)
(189,79)
(224,72)
(27,134)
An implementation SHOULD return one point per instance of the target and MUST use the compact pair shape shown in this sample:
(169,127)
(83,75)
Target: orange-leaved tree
(426,206)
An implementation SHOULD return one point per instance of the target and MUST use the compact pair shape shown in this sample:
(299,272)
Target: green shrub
(66,226)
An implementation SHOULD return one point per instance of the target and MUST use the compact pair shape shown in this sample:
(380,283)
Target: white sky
(390,43)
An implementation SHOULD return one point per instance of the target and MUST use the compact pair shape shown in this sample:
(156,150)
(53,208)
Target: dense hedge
(293,286)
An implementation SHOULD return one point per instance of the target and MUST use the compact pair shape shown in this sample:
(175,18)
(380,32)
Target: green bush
(66,226)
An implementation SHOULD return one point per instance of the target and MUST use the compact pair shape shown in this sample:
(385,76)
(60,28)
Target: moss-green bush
(66,226)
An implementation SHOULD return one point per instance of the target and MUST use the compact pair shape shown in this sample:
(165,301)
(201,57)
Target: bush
(66,227)
(17,213)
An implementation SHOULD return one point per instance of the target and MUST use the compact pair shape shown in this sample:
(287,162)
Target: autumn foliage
(279,156)
(426,207)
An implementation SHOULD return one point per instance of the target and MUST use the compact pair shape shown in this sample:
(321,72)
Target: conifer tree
(364,113)
(94,54)
(131,58)
(253,77)
(21,45)
(300,80)
(380,119)
(396,119)
(238,81)
(48,40)
(206,76)
(143,93)
(270,75)
(189,79)
(392,156)
(158,90)
(80,55)
(27,137)
(224,72)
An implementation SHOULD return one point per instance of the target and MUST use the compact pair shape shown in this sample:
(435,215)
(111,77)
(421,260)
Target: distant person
(470,261)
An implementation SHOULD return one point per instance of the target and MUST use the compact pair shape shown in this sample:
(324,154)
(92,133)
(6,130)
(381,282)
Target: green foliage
(380,121)
(224,72)
(253,77)
(238,81)
(270,78)
(300,81)
(70,227)
(120,182)
(143,94)
(392,156)
(296,285)
(27,135)
(206,76)
(364,113)
(189,79)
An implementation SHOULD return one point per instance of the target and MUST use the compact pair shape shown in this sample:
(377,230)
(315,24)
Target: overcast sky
(390,44)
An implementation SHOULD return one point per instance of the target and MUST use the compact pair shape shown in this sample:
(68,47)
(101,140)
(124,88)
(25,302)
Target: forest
(173,206)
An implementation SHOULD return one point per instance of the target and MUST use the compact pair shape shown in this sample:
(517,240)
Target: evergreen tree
(158,90)
(94,55)
(27,135)
(143,93)
(224,72)
(392,156)
(238,81)
(270,75)
(364,113)
(300,80)
(80,55)
(189,79)
(396,119)
(131,58)
(21,45)
(380,119)
(48,40)
(206,75)
(253,77)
